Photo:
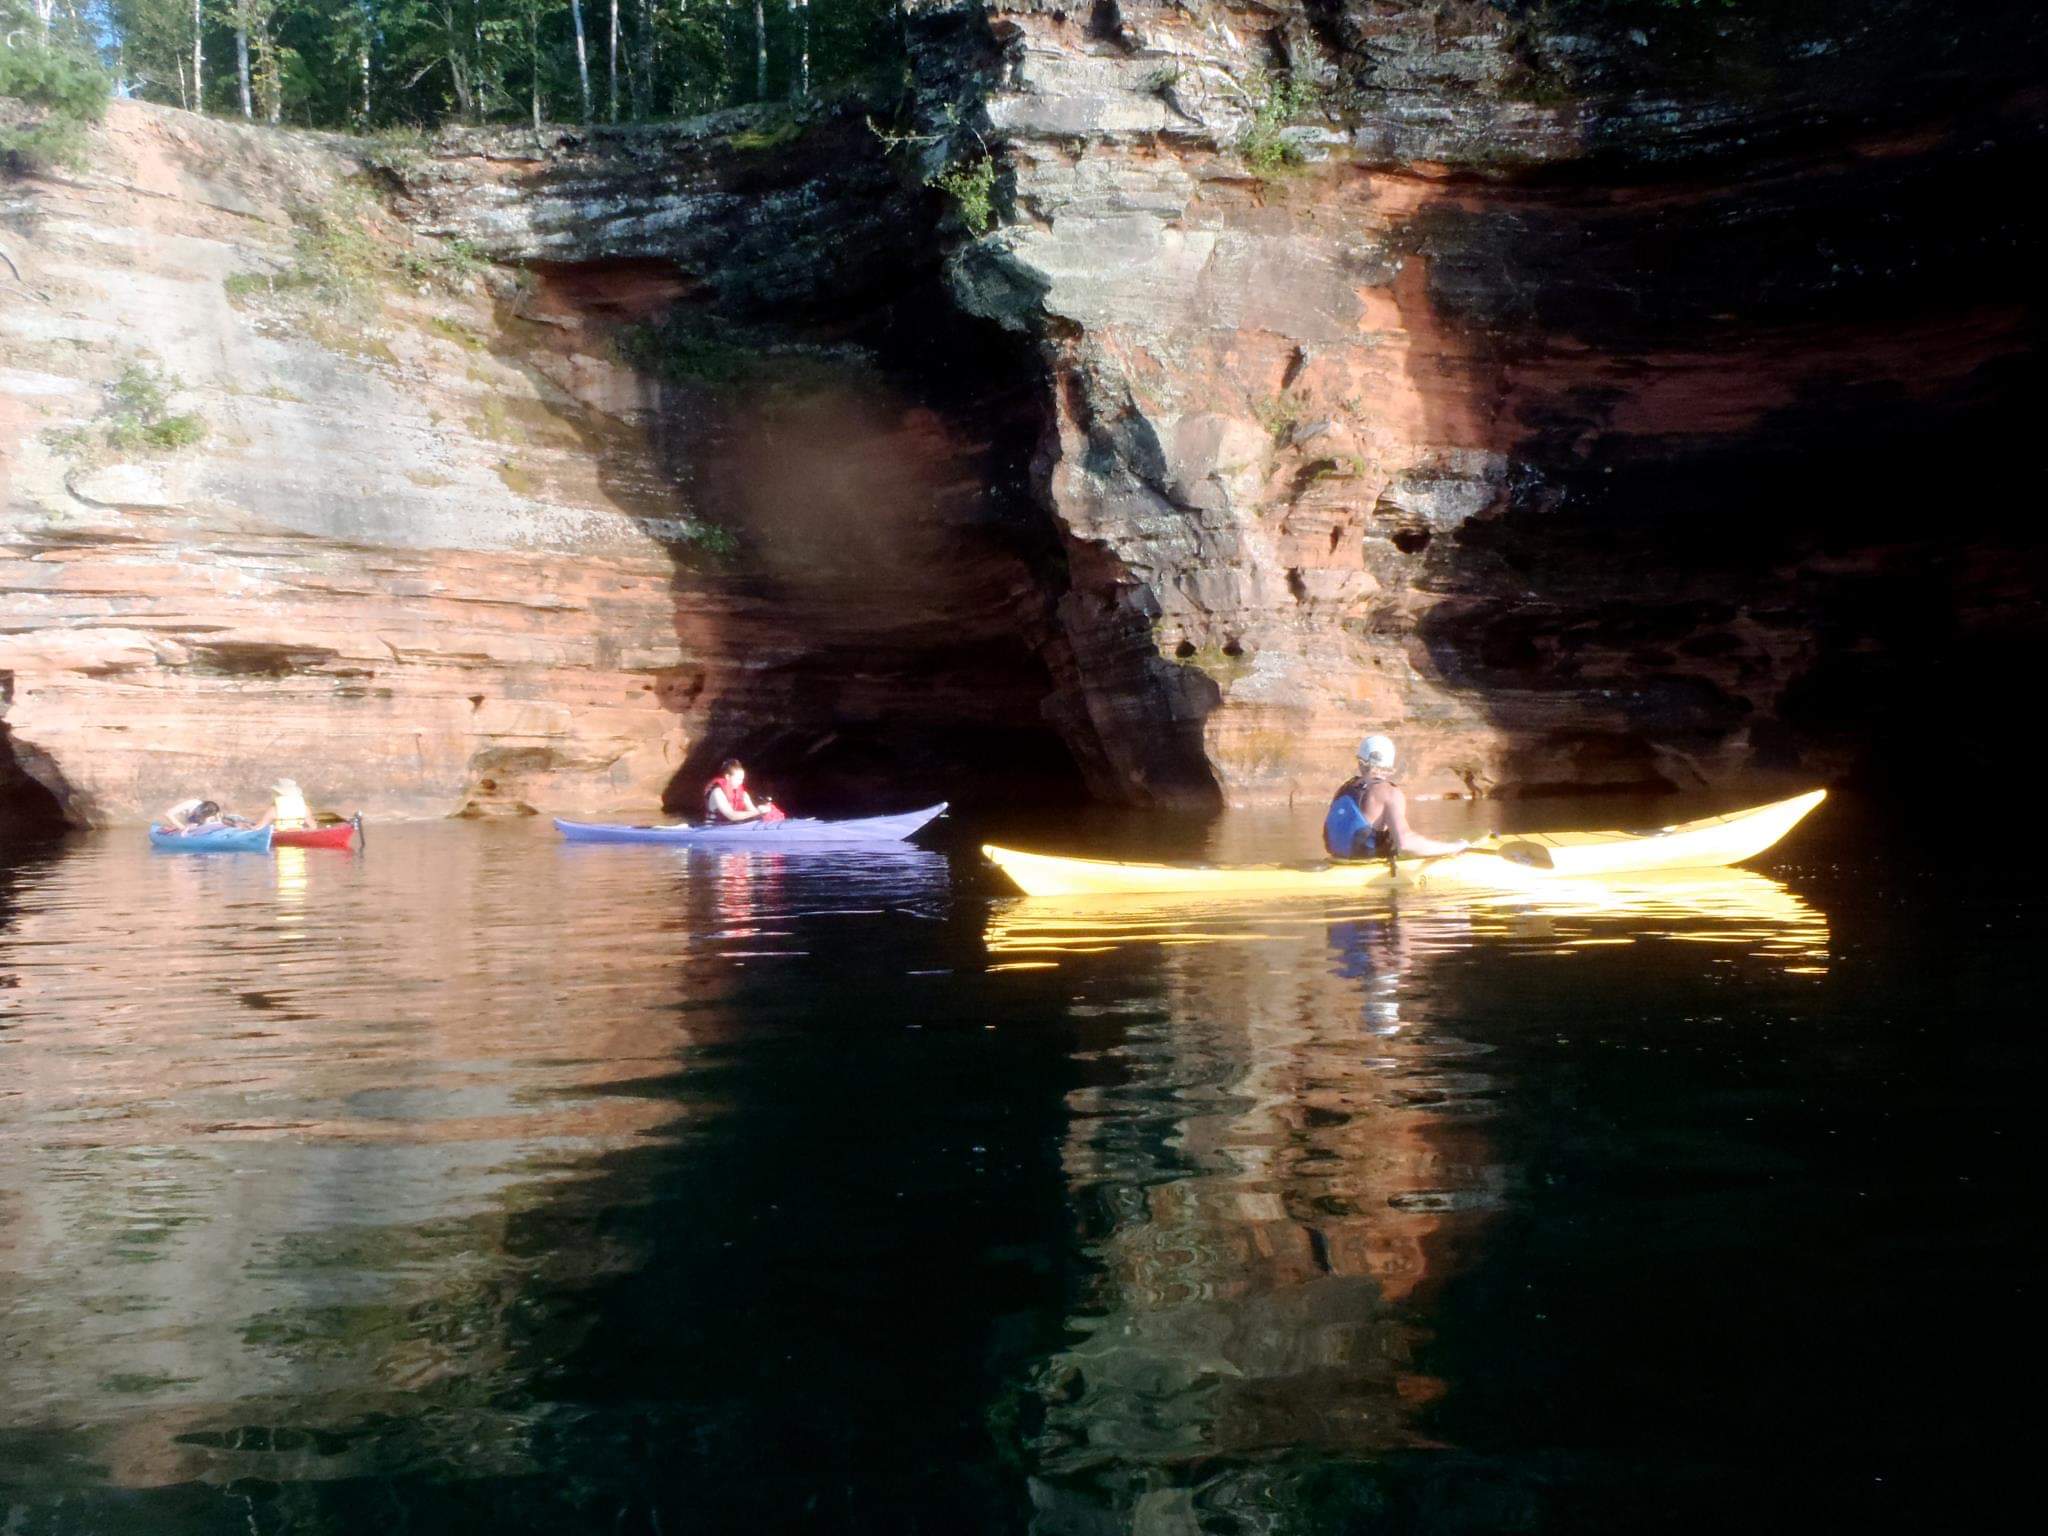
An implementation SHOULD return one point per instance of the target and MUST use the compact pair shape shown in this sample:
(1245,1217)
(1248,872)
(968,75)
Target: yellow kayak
(1516,862)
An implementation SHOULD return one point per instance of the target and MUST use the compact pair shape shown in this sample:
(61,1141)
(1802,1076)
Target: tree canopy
(372,64)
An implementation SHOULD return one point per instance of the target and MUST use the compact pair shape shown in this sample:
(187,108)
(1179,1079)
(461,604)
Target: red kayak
(342,836)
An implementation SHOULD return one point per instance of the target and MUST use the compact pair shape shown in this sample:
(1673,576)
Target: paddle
(1529,855)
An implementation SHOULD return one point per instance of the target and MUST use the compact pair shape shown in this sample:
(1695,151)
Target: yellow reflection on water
(1289,1155)
(289,868)
(1735,908)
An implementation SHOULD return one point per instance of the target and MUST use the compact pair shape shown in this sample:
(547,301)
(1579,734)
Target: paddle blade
(1533,855)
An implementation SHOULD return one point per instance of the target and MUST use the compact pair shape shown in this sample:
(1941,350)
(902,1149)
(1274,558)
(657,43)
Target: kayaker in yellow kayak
(1368,817)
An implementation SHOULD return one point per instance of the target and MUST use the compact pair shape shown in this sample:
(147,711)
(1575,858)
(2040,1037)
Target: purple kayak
(795,833)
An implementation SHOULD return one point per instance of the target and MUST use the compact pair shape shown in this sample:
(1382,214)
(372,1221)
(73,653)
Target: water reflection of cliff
(279,1138)
(1288,1159)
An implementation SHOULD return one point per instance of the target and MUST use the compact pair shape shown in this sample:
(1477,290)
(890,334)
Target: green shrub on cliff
(1280,414)
(775,129)
(400,149)
(682,352)
(1278,101)
(337,256)
(338,261)
(972,186)
(136,417)
(451,265)
(335,260)
(49,96)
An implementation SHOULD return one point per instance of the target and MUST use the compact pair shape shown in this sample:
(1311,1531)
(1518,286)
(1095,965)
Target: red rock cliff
(1592,394)
(456,537)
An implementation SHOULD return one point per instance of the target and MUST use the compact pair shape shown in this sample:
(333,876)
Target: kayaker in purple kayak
(726,798)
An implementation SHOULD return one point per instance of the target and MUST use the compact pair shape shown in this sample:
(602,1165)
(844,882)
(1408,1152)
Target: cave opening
(1789,612)
(28,807)
(1764,519)
(839,462)
(869,768)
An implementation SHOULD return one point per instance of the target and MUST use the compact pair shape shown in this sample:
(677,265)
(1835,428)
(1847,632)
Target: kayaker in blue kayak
(726,798)
(1368,817)
(201,815)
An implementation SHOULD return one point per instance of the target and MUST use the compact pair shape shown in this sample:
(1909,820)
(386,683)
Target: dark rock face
(1610,395)
(882,626)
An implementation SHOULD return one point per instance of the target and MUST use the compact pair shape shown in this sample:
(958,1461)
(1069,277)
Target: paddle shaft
(1529,855)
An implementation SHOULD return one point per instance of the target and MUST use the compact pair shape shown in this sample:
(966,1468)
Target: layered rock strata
(1593,394)
(455,538)
(389,566)
(1567,388)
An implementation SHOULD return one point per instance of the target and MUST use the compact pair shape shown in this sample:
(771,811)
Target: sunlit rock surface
(1592,395)
(392,567)
(444,547)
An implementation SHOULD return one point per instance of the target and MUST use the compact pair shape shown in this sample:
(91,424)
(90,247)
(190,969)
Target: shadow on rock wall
(1757,401)
(27,805)
(836,461)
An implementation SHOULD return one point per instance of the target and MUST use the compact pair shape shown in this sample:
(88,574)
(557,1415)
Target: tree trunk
(533,56)
(242,69)
(465,96)
(480,61)
(611,78)
(643,82)
(582,56)
(366,13)
(273,76)
(800,73)
(760,52)
(198,60)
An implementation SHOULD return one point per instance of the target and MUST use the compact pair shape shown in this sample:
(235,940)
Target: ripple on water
(479,1160)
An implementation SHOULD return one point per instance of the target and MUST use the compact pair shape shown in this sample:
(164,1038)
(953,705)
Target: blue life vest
(1346,832)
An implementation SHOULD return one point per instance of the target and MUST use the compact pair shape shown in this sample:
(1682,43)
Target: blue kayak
(790,836)
(212,840)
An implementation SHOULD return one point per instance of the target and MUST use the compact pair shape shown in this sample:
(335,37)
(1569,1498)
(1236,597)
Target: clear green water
(483,1183)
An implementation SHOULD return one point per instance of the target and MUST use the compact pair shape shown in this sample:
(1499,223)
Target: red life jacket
(736,797)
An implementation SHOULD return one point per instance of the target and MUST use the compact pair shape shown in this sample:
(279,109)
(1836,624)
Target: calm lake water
(483,1183)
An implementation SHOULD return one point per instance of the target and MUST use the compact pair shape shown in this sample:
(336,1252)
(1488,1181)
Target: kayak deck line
(1490,864)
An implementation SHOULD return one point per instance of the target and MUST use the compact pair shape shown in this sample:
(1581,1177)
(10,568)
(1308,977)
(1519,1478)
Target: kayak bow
(1493,863)
(341,836)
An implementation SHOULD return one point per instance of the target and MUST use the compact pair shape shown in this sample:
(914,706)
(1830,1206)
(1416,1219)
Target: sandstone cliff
(391,564)
(459,538)
(1594,393)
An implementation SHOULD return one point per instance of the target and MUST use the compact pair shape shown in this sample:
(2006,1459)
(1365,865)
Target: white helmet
(1377,751)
